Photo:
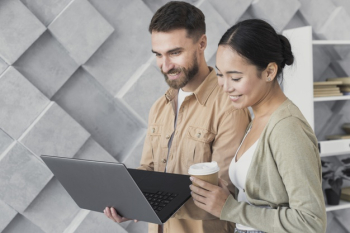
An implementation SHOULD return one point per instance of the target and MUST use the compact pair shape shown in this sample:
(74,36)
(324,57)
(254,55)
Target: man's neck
(197,79)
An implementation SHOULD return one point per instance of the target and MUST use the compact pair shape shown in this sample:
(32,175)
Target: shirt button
(153,130)
(199,135)
(244,190)
(167,137)
(164,160)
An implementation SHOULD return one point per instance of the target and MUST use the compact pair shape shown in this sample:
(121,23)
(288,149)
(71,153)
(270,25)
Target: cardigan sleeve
(294,148)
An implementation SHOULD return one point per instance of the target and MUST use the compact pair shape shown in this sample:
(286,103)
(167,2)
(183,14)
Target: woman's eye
(235,79)
(219,75)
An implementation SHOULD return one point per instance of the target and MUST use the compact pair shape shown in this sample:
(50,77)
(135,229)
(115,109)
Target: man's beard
(187,75)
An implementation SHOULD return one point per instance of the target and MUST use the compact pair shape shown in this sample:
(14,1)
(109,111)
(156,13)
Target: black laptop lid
(94,185)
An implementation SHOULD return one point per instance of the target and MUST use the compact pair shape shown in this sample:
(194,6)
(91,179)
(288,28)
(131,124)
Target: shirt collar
(202,92)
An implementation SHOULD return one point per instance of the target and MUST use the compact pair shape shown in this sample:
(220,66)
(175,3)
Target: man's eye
(157,55)
(175,53)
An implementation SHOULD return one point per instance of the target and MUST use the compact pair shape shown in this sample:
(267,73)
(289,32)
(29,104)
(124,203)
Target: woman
(277,167)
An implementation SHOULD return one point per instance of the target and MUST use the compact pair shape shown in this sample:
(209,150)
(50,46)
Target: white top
(238,173)
(180,98)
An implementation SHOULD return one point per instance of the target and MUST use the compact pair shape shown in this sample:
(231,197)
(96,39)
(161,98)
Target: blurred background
(77,79)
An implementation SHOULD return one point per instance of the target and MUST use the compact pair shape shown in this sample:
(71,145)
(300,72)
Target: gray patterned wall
(77,79)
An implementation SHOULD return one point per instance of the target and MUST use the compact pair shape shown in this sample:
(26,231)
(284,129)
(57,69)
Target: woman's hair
(257,42)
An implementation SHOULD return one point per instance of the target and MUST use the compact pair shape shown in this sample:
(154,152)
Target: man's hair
(179,15)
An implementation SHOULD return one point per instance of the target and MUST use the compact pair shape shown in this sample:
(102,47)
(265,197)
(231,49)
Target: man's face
(176,56)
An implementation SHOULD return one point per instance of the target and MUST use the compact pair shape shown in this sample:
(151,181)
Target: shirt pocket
(199,144)
(154,132)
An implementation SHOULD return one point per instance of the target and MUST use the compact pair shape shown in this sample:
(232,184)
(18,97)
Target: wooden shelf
(342,205)
(332,98)
(331,42)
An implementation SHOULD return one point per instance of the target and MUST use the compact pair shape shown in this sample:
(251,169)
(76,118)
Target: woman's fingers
(199,198)
(202,184)
(199,190)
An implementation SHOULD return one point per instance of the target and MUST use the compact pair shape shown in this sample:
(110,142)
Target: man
(195,121)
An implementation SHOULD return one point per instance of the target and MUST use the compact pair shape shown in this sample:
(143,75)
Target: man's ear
(202,42)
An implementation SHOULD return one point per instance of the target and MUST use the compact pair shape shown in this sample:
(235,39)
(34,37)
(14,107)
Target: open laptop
(136,194)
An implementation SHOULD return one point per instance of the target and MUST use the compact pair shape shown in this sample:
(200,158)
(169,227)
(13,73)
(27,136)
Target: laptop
(136,194)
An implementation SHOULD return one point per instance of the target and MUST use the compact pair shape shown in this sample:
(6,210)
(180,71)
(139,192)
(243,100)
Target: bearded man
(195,121)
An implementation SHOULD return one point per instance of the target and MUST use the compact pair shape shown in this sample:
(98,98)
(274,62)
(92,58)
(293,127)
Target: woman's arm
(293,147)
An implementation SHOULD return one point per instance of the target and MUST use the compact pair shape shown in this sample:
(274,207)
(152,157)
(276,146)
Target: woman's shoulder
(287,117)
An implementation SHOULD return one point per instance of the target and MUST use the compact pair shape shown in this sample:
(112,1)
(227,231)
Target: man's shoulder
(159,103)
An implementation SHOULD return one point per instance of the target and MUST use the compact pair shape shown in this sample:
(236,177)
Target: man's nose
(166,65)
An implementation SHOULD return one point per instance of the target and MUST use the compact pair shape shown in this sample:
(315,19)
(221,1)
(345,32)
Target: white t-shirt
(238,173)
(180,98)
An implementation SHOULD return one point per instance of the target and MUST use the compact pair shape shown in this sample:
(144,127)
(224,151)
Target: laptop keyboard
(159,199)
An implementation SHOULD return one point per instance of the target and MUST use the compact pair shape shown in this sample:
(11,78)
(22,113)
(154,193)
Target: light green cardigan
(285,174)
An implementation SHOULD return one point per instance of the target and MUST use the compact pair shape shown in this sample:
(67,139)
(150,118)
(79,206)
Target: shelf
(331,42)
(332,98)
(342,205)
(334,154)
(334,147)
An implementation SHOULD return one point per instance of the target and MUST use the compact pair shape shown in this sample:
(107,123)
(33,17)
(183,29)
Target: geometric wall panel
(98,222)
(46,64)
(343,3)
(278,14)
(18,98)
(151,81)
(109,121)
(46,10)
(80,33)
(316,12)
(91,150)
(6,215)
(154,5)
(216,26)
(332,30)
(53,209)
(231,10)
(127,48)
(134,158)
(22,224)
(5,141)
(22,177)
(3,66)
(17,33)
(56,133)
(321,62)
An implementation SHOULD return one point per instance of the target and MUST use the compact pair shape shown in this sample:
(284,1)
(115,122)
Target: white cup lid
(203,168)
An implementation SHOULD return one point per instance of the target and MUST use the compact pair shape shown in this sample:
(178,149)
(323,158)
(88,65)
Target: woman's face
(239,79)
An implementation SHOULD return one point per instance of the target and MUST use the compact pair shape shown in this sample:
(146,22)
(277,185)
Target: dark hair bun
(287,54)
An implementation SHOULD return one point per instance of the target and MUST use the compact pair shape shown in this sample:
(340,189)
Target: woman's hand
(209,197)
(112,214)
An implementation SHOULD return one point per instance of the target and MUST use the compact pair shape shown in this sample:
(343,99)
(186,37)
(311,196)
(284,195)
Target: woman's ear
(271,71)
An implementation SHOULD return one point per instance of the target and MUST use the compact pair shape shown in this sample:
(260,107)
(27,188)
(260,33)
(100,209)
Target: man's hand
(112,214)
(209,197)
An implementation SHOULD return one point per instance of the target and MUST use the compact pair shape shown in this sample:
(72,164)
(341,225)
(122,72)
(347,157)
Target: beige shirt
(285,174)
(208,128)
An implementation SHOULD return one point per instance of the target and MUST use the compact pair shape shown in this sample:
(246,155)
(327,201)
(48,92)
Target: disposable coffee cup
(205,171)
